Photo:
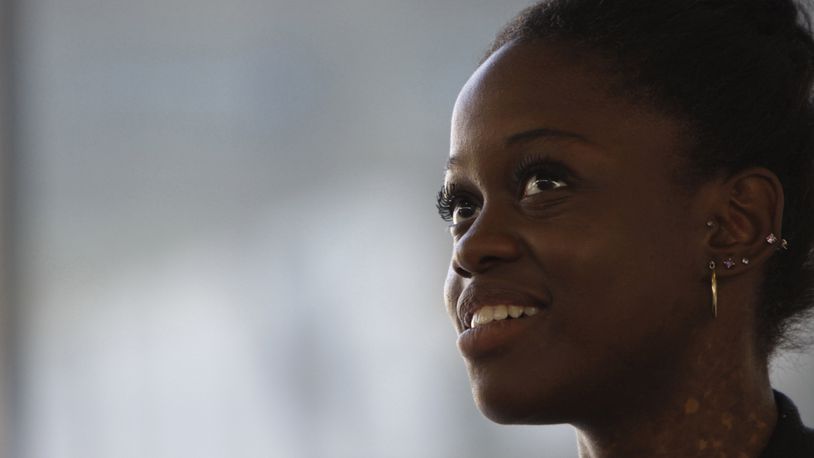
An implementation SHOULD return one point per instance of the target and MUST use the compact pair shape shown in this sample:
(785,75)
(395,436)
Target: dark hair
(739,73)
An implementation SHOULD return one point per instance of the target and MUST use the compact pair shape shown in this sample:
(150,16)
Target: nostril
(486,244)
(461,271)
(476,266)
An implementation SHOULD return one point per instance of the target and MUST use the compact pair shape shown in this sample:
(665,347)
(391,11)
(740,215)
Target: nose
(487,243)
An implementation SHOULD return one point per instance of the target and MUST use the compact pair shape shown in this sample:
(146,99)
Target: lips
(475,297)
(485,332)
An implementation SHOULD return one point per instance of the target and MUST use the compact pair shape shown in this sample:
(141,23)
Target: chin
(518,405)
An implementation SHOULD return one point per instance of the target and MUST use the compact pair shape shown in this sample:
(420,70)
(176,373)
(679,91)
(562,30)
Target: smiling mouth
(494,313)
(492,329)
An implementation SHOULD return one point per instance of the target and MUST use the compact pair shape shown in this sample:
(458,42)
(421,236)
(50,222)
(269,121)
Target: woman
(629,187)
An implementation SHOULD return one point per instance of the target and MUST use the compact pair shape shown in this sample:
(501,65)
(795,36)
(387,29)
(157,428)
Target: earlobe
(747,225)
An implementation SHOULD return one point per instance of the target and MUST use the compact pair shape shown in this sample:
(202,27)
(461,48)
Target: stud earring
(710,224)
(714,288)
(771,239)
(729,263)
(745,261)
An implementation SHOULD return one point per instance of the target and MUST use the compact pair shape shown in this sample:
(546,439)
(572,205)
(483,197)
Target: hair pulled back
(739,73)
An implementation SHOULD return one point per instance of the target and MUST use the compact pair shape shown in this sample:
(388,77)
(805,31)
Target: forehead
(532,87)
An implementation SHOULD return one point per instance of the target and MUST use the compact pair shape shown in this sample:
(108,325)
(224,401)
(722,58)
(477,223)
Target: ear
(751,208)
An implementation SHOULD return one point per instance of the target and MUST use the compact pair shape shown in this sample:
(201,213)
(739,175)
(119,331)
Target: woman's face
(563,204)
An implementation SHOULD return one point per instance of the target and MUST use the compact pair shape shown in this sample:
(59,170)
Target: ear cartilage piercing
(710,224)
(729,263)
(771,239)
(713,283)
(745,261)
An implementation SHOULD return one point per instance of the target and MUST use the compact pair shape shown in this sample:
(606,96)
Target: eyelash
(446,202)
(529,167)
(541,166)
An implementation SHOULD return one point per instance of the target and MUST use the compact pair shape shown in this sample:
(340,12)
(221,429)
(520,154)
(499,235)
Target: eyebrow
(534,134)
(526,136)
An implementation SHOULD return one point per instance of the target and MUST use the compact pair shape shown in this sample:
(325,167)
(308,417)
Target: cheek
(612,290)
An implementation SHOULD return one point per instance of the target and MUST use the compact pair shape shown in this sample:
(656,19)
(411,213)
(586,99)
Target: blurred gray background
(224,232)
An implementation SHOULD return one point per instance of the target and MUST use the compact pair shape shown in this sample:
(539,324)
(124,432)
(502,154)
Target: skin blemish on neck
(691,406)
(760,424)
(726,420)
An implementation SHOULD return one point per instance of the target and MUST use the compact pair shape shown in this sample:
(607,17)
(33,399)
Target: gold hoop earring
(714,287)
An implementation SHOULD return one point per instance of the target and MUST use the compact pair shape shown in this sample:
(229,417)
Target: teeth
(485,315)
(489,313)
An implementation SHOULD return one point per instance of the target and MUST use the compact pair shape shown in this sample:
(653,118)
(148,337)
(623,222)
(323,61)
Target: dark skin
(625,347)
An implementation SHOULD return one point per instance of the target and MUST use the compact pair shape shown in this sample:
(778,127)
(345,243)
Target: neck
(722,406)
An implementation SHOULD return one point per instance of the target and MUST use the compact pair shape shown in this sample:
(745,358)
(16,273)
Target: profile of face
(577,273)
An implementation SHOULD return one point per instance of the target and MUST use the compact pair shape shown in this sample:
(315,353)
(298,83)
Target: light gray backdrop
(226,235)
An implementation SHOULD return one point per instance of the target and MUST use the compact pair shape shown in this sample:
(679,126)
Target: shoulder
(790,439)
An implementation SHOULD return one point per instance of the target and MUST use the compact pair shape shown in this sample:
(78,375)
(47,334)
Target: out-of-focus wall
(226,232)
(5,154)
(227,237)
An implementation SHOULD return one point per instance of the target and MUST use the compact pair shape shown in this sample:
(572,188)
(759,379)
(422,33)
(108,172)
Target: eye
(539,183)
(455,206)
(537,174)
(464,210)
